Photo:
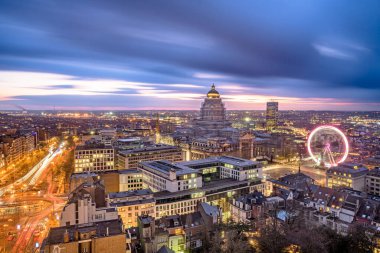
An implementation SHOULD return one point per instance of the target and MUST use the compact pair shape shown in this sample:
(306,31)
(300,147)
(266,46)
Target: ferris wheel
(327,146)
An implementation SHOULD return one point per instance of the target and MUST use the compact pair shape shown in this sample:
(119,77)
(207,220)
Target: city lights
(188,127)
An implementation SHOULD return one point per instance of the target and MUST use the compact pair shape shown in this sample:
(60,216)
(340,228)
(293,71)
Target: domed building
(212,118)
(211,134)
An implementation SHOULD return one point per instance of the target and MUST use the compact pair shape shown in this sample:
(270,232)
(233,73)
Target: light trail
(44,166)
(34,173)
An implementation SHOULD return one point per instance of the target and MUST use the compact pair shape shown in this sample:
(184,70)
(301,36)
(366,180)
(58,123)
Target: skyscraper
(272,115)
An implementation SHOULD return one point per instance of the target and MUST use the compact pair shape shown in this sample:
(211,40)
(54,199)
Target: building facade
(15,147)
(94,157)
(347,175)
(98,237)
(129,159)
(373,182)
(86,204)
(132,204)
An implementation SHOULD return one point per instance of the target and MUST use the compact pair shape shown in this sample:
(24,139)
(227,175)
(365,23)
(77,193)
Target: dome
(213,93)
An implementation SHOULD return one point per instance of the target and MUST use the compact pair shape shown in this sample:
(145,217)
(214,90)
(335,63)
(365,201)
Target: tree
(359,240)
(236,243)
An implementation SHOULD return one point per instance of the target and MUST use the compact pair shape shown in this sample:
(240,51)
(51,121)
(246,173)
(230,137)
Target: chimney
(108,232)
(66,237)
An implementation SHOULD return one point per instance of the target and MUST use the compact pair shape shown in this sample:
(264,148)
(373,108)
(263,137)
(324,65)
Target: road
(26,238)
(31,177)
(31,223)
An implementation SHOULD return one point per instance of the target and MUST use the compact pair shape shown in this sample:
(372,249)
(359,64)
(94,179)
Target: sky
(128,55)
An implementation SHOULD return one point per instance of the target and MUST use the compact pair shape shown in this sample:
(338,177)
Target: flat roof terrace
(165,167)
(219,161)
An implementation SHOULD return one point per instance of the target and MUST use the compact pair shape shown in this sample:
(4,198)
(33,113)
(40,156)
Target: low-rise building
(347,175)
(247,208)
(297,182)
(178,233)
(97,237)
(87,204)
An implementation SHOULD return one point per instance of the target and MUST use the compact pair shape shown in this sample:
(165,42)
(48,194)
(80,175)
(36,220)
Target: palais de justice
(211,134)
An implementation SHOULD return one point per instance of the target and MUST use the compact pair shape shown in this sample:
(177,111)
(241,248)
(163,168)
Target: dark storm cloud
(326,49)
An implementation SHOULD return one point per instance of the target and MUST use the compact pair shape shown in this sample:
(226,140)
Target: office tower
(271,115)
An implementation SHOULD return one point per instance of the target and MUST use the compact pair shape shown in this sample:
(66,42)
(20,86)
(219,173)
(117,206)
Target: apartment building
(96,237)
(178,233)
(132,204)
(94,157)
(15,147)
(247,208)
(129,159)
(87,204)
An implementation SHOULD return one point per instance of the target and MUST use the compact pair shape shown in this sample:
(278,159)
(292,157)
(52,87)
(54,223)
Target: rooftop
(209,188)
(165,167)
(125,194)
(374,172)
(219,160)
(132,202)
(127,171)
(56,234)
(93,146)
(153,148)
(349,168)
(83,175)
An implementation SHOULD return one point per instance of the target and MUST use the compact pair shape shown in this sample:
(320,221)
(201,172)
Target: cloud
(209,76)
(175,49)
(333,52)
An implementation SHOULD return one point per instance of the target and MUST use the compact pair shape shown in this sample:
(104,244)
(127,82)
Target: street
(35,211)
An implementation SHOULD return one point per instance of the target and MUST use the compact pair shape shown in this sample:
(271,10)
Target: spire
(299,163)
